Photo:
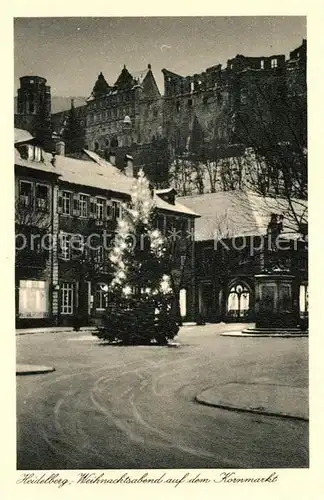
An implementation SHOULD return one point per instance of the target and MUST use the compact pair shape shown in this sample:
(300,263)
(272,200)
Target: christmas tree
(140,297)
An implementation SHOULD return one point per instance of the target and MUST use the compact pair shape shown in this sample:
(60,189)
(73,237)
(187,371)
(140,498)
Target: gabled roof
(238,213)
(22,136)
(140,75)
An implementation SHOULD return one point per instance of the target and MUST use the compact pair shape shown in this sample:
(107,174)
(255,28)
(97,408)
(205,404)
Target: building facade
(238,236)
(76,204)
(36,217)
(196,116)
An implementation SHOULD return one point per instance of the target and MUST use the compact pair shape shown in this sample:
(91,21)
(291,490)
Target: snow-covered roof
(42,166)
(22,136)
(242,213)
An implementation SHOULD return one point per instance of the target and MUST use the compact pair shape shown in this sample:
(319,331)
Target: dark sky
(70,52)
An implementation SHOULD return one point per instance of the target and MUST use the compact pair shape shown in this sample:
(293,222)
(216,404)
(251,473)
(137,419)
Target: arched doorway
(238,301)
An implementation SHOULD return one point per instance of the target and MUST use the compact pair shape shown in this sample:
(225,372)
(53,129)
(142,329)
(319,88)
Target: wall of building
(36,259)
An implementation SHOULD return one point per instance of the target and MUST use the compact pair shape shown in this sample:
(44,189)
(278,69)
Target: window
(262,64)
(274,63)
(67,296)
(37,154)
(178,106)
(66,203)
(96,145)
(65,247)
(238,301)
(189,103)
(33,299)
(100,299)
(303,300)
(98,254)
(116,210)
(100,211)
(83,204)
(42,198)
(26,193)
(183,302)
(160,223)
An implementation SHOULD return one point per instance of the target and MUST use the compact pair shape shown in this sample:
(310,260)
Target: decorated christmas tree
(140,298)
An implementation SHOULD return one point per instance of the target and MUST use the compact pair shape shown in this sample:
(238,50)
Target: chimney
(53,160)
(129,166)
(112,158)
(60,148)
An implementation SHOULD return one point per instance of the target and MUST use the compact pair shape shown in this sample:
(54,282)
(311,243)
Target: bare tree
(273,125)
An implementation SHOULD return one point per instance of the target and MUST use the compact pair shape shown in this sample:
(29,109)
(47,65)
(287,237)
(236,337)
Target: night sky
(70,52)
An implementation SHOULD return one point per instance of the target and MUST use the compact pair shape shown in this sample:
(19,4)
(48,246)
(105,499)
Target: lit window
(100,208)
(83,204)
(67,296)
(303,300)
(33,299)
(183,302)
(42,198)
(37,153)
(65,246)
(262,64)
(100,298)
(26,193)
(274,63)
(66,203)
(238,301)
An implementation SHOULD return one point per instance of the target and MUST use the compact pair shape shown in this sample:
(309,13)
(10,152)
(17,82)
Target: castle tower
(34,107)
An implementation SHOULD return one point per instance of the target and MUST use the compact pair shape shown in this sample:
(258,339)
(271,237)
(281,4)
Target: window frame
(67,310)
(65,247)
(274,63)
(47,204)
(31,184)
(70,201)
(87,200)
(115,202)
(103,300)
(100,202)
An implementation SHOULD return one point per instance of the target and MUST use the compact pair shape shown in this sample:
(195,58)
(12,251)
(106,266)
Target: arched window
(238,301)
(100,297)
(96,145)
